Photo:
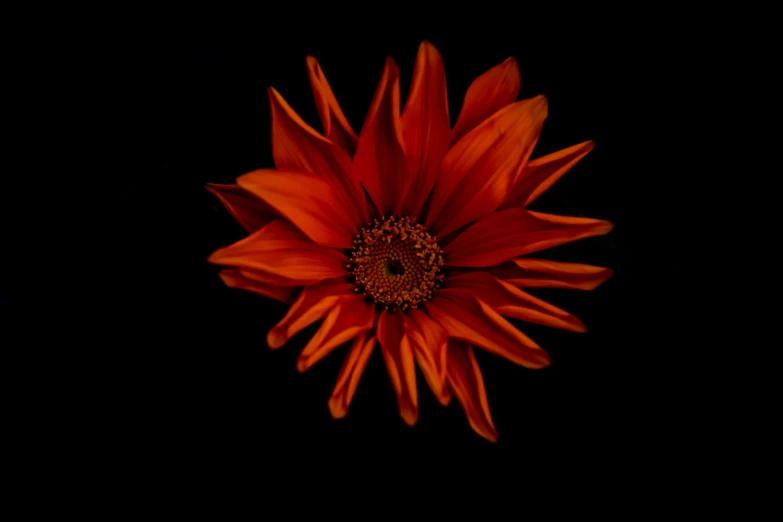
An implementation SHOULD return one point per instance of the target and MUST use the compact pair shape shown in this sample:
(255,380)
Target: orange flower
(410,236)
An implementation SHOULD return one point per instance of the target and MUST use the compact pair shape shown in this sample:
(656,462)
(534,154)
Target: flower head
(412,236)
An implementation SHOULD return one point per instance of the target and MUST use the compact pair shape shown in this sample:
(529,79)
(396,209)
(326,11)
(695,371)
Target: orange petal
(380,162)
(510,233)
(488,93)
(234,278)
(508,300)
(398,356)
(465,379)
(479,171)
(271,279)
(425,125)
(306,201)
(350,316)
(469,319)
(312,304)
(352,370)
(336,126)
(280,250)
(297,146)
(428,340)
(539,174)
(249,211)
(528,272)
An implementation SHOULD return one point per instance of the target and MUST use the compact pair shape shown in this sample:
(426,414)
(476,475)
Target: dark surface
(186,381)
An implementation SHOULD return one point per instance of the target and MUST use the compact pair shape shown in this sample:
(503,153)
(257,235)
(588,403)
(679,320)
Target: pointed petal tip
(544,362)
(337,408)
(486,430)
(215,188)
(491,436)
(274,340)
(302,364)
(274,95)
(445,398)
(542,104)
(426,46)
(409,415)
(313,65)
(510,61)
(391,66)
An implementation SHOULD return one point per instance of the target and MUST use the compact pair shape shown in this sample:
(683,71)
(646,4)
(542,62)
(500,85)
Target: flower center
(396,263)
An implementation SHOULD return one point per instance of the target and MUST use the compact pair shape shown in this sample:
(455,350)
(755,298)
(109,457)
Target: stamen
(396,263)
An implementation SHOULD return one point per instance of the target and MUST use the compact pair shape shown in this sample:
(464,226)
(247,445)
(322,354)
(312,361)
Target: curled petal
(527,272)
(541,173)
(466,318)
(297,146)
(250,212)
(429,342)
(305,262)
(312,304)
(510,233)
(490,92)
(399,360)
(477,174)
(350,316)
(510,301)
(336,126)
(351,372)
(235,278)
(306,201)
(380,162)
(465,379)
(425,125)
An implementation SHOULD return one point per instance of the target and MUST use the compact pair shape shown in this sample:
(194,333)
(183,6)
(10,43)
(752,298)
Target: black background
(182,379)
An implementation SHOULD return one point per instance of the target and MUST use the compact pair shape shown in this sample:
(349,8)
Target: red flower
(410,236)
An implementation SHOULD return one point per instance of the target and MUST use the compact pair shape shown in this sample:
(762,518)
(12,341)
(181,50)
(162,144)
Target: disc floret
(396,263)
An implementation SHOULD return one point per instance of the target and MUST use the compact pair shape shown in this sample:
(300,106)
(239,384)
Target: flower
(412,236)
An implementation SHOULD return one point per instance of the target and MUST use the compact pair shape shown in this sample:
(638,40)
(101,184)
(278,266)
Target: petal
(352,370)
(467,318)
(313,303)
(271,279)
(350,316)
(429,342)
(234,278)
(488,93)
(380,162)
(510,233)
(541,173)
(528,272)
(425,125)
(249,211)
(280,250)
(297,146)
(336,126)
(306,201)
(510,301)
(465,379)
(479,171)
(398,356)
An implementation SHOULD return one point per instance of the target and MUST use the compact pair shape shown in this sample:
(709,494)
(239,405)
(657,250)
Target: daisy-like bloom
(412,237)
